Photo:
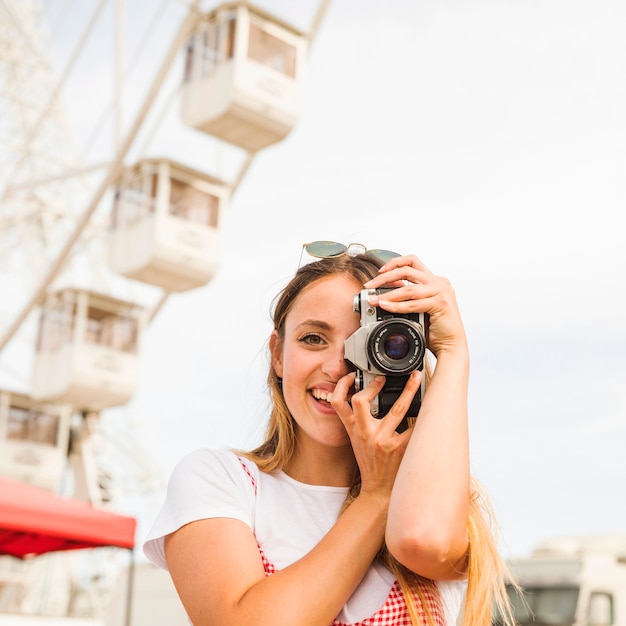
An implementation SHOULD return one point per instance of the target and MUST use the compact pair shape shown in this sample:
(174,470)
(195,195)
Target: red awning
(34,521)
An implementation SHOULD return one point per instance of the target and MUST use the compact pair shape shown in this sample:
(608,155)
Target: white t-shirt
(288,519)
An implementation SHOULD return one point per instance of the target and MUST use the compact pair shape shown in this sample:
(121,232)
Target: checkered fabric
(267,566)
(395,611)
(247,471)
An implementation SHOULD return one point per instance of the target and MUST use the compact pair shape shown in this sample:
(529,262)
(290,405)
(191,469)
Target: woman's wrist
(375,499)
(458,350)
(374,507)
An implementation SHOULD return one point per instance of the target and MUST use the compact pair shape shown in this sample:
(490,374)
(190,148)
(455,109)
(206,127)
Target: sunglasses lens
(383,255)
(325,249)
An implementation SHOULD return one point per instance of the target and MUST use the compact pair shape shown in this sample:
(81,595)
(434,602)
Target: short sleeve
(453,598)
(205,484)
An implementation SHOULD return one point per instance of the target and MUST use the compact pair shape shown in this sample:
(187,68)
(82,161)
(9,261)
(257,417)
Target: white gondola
(34,439)
(87,350)
(243,76)
(165,225)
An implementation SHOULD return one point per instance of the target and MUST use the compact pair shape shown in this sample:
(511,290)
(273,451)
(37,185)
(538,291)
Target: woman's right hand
(377,447)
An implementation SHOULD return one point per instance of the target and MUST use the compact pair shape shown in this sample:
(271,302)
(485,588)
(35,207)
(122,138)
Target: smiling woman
(310,348)
(338,518)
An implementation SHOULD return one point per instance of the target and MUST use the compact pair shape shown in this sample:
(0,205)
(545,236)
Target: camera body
(391,344)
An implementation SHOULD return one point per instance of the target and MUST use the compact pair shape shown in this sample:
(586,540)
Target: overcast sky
(489,139)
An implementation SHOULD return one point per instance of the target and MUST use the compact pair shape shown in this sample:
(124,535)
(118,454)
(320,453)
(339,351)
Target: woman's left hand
(418,290)
(427,530)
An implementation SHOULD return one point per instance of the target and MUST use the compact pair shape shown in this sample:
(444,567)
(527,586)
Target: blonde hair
(485,568)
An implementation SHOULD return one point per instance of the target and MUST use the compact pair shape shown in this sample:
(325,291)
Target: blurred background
(488,138)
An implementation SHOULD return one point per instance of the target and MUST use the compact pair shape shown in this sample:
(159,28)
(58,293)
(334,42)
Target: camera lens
(396,346)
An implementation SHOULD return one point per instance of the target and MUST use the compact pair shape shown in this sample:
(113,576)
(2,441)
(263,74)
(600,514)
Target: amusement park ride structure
(77,236)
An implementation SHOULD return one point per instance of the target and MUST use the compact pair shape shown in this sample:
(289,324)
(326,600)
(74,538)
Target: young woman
(337,518)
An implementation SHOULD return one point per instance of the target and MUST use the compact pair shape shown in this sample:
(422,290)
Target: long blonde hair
(485,568)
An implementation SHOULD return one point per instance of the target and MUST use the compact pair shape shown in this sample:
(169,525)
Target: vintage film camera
(390,344)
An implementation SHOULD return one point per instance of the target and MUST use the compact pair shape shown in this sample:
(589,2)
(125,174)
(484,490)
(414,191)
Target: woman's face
(310,358)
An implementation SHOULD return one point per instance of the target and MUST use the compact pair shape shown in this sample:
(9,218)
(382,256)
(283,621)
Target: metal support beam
(113,173)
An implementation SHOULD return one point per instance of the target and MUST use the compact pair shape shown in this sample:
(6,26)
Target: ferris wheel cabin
(165,225)
(243,76)
(87,350)
(34,439)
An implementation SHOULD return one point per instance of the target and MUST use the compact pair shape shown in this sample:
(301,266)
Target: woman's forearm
(310,592)
(321,582)
(426,529)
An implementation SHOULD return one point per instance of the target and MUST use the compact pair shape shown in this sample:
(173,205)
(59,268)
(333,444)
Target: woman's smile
(310,356)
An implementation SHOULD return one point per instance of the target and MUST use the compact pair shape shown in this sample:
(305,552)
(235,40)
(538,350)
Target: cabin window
(135,200)
(271,51)
(193,205)
(227,38)
(209,50)
(111,330)
(31,425)
(209,47)
(55,326)
(545,605)
(191,43)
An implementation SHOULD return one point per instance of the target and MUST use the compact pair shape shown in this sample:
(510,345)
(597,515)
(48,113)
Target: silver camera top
(385,343)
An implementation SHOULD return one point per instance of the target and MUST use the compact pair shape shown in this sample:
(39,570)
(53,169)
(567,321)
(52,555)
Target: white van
(572,581)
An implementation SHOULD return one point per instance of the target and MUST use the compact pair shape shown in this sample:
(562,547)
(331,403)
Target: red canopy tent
(34,521)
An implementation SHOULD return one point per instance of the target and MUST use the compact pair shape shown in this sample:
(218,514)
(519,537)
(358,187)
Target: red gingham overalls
(394,612)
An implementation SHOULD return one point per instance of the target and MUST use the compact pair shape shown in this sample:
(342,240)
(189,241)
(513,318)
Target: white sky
(488,138)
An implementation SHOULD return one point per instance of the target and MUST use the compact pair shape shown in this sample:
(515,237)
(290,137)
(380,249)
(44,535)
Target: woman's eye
(312,340)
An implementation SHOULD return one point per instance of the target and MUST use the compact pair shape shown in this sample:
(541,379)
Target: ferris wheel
(96,233)
(94,238)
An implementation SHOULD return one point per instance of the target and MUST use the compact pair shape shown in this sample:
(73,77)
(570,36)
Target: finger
(343,390)
(361,401)
(405,291)
(414,299)
(403,261)
(401,406)
(341,400)
(400,275)
(419,305)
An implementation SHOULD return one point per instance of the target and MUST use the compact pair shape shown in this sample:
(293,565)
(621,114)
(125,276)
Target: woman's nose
(335,366)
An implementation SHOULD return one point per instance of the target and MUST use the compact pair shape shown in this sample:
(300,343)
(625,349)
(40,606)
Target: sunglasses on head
(332,249)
